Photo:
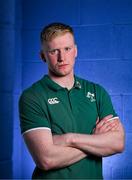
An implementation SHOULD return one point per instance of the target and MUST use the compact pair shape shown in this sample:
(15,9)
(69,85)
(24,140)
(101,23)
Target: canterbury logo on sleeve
(53,100)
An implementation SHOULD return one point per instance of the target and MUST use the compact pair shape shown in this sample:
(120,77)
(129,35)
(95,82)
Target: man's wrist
(69,140)
(64,139)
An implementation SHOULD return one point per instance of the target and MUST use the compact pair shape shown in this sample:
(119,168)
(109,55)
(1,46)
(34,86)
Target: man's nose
(61,56)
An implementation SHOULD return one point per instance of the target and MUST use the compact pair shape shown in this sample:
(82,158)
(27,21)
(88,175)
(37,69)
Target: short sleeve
(104,103)
(31,113)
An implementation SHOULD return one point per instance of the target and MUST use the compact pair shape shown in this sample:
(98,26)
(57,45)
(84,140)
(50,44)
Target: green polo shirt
(47,105)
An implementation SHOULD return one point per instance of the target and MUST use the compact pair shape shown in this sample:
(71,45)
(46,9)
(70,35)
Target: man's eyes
(67,48)
(57,51)
(54,51)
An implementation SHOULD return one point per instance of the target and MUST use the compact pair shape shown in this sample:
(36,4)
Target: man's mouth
(63,65)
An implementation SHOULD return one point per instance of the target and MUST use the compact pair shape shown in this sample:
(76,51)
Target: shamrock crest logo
(91,96)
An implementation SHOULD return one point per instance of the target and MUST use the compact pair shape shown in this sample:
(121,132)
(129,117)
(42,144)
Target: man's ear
(42,56)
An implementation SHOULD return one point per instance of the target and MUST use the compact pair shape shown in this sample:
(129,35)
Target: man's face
(60,54)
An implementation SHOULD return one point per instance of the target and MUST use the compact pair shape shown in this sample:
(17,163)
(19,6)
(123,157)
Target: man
(68,123)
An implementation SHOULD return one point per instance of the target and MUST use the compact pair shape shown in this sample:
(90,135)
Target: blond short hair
(53,30)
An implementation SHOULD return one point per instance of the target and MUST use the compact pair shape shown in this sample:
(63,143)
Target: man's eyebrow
(52,49)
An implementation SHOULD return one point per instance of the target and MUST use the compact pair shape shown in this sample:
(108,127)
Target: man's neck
(64,81)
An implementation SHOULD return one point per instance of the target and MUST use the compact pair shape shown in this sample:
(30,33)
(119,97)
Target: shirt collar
(77,84)
(54,86)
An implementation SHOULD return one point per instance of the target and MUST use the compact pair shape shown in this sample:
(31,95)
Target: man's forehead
(64,36)
(60,41)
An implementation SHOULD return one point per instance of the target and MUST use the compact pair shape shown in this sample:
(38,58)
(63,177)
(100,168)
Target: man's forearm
(61,157)
(48,155)
(107,139)
(101,145)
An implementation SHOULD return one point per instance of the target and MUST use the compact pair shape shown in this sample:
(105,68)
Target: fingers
(107,124)
(97,121)
(103,121)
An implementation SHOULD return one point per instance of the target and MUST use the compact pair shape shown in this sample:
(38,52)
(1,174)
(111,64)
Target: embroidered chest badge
(91,96)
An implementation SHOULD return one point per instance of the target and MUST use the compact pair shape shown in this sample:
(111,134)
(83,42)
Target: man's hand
(106,124)
(62,140)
